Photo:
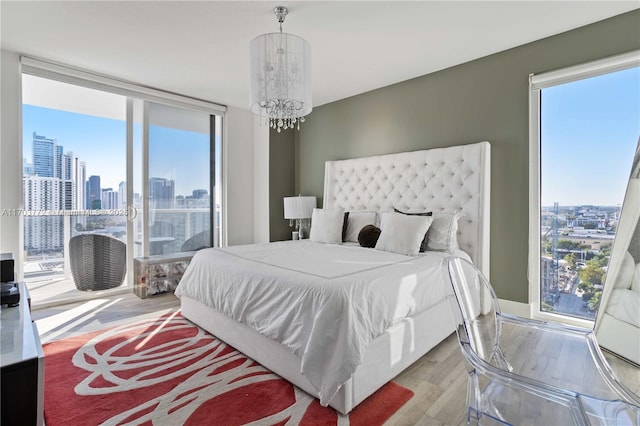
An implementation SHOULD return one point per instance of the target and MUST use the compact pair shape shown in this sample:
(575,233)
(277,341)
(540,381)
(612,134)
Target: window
(74,151)
(98,152)
(180,189)
(584,133)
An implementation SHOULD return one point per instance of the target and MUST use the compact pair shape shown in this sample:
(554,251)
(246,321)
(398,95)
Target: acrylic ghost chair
(524,371)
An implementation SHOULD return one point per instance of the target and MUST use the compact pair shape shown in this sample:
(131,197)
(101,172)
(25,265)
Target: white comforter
(325,303)
(624,304)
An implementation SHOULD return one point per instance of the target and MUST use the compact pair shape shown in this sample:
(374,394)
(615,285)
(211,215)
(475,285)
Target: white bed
(334,348)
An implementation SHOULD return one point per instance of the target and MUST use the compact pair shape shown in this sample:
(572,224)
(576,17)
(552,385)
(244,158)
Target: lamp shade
(299,207)
(280,78)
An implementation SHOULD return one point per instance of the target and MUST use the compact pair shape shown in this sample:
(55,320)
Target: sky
(174,154)
(589,134)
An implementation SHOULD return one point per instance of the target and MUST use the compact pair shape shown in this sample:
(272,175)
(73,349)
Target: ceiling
(200,48)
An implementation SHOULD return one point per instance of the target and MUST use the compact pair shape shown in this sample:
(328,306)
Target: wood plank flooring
(438,379)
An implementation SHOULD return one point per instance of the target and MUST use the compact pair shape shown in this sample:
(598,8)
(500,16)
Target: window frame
(537,82)
(140,95)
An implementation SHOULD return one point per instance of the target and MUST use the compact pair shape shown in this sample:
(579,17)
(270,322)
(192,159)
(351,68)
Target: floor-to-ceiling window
(74,144)
(100,159)
(180,179)
(585,129)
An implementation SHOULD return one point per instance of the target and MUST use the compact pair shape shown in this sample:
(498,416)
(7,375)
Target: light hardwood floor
(438,379)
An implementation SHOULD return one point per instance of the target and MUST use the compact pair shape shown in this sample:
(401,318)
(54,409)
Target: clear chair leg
(474,399)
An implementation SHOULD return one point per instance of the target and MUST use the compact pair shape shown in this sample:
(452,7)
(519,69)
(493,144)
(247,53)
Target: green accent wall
(485,99)
(282,166)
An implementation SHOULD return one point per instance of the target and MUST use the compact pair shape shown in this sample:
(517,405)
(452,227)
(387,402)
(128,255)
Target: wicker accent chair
(198,241)
(98,262)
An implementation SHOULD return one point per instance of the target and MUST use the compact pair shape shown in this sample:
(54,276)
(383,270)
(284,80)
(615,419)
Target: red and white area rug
(167,371)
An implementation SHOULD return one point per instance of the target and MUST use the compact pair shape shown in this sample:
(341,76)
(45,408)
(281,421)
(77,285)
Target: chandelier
(280,65)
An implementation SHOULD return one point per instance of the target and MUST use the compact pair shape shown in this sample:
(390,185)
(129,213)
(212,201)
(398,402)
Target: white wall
(10,154)
(238,155)
(260,181)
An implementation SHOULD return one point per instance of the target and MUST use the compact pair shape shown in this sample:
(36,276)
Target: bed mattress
(325,303)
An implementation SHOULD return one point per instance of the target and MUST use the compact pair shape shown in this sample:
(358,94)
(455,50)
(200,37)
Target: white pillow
(423,245)
(356,221)
(402,234)
(326,226)
(626,273)
(443,233)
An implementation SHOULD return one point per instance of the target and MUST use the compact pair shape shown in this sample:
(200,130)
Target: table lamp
(298,209)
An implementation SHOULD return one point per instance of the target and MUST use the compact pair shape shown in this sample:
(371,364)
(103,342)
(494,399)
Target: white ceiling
(200,48)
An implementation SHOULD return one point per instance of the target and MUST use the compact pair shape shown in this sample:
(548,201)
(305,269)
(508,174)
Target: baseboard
(515,308)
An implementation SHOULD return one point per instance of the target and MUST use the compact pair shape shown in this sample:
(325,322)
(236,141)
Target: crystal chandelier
(280,77)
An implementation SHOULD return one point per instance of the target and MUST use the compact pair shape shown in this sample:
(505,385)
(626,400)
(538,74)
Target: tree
(602,260)
(571,259)
(587,290)
(572,245)
(594,302)
(592,272)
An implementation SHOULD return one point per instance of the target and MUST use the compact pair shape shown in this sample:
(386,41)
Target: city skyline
(56,181)
(174,154)
(48,160)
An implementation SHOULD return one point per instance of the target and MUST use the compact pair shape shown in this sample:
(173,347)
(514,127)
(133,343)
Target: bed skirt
(387,356)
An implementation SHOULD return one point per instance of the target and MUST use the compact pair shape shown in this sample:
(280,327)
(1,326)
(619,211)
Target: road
(572,304)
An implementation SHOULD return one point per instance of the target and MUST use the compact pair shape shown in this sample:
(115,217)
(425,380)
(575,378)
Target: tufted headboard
(449,179)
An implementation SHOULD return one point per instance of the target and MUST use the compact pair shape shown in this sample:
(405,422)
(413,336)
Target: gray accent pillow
(443,232)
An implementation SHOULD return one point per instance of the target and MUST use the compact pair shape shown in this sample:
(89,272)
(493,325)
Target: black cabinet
(22,366)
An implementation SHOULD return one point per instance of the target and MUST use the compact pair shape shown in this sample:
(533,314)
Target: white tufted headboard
(440,180)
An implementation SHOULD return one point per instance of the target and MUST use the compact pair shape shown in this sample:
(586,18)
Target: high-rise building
(79,178)
(197,201)
(58,165)
(50,161)
(109,199)
(199,193)
(42,232)
(67,180)
(48,186)
(27,167)
(93,193)
(53,181)
(122,195)
(44,150)
(161,193)
(67,164)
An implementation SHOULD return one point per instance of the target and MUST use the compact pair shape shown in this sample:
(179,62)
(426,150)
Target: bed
(340,320)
